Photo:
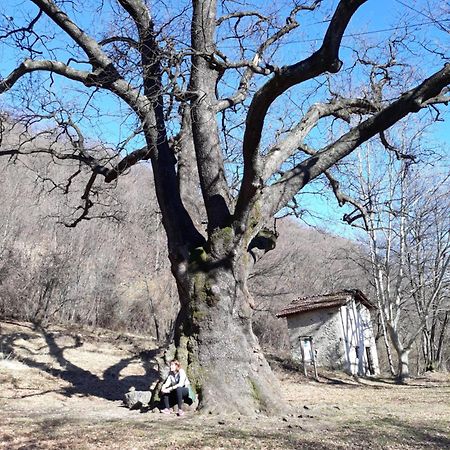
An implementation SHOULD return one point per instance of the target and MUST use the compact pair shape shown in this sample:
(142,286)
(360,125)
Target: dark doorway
(370,366)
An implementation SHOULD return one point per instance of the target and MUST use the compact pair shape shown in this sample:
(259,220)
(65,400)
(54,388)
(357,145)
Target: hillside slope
(113,271)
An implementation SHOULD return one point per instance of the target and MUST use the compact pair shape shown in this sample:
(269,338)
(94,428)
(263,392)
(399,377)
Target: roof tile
(329,300)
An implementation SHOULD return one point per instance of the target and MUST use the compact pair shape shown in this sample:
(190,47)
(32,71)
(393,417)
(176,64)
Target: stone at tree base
(147,399)
(137,399)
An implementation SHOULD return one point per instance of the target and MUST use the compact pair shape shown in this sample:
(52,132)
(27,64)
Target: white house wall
(339,335)
(358,335)
(369,338)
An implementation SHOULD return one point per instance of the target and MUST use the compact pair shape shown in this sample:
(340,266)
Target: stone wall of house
(325,327)
(342,337)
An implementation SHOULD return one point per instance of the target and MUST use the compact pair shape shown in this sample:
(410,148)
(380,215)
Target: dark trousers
(175,397)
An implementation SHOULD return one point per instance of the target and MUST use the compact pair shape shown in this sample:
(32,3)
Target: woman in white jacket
(175,388)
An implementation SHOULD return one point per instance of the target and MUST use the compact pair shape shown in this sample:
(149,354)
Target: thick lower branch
(208,150)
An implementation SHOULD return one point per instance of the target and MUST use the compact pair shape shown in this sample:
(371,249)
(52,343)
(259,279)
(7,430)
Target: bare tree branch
(339,107)
(341,197)
(277,195)
(210,162)
(27,29)
(28,66)
(140,14)
(253,66)
(323,60)
(398,153)
(88,204)
(90,46)
(240,14)
(113,39)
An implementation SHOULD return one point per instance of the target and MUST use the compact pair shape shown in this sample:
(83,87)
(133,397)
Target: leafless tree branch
(323,60)
(412,101)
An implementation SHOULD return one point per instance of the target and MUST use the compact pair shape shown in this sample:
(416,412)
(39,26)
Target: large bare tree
(148,59)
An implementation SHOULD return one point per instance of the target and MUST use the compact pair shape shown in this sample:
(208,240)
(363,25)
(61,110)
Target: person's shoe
(180,413)
(165,411)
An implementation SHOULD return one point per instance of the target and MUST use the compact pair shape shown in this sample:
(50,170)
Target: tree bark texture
(214,335)
(402,354)
(403,365)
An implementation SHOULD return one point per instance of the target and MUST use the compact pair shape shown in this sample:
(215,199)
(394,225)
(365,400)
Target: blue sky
(373,22)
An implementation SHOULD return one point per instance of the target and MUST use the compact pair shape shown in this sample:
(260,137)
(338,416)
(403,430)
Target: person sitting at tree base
(175,389)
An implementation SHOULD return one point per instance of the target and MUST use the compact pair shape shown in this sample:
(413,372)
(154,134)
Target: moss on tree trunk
(214,338)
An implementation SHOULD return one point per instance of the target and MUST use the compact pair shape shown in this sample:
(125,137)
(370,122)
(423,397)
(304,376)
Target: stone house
(334,331)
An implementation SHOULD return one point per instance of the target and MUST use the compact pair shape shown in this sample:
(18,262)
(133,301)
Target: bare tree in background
(102,272)
(404,210)
(148,61)
(427,264)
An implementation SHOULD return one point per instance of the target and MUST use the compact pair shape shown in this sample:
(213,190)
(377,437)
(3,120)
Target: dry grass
(55,395)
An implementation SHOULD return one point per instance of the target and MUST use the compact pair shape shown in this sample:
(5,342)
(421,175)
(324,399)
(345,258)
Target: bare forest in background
(113,272)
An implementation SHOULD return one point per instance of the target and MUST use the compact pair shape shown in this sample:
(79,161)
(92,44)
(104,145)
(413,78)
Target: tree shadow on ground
(286,364)
(328,379)
(82,381)
(193,433)
(273,439)
(326,376)
(296,368)
(418,382)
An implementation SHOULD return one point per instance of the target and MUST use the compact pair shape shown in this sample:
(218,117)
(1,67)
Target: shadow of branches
(108,385)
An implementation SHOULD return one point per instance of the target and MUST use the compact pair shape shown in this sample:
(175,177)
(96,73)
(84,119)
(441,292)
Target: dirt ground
(62,389)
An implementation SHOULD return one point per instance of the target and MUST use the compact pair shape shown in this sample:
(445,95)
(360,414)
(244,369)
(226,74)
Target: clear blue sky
(374,21)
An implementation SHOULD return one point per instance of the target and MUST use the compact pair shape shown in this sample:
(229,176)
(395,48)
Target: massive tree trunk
(214,336)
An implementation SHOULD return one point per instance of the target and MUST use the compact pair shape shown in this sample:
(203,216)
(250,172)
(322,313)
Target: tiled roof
(321,301)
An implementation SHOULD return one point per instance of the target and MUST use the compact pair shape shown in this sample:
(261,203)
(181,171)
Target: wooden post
(313,358)
(302,349)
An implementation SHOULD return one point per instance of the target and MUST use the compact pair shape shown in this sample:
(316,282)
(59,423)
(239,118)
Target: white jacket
(175,380)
